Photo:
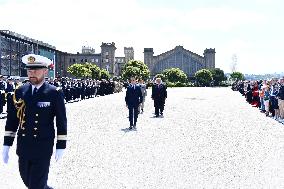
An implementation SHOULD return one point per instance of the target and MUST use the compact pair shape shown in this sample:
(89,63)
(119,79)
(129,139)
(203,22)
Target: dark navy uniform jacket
(2,85)
(35,139)
(159,92)
(10,88)
(133,96)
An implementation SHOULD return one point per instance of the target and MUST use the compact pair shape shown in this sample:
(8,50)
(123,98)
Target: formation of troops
(73,89)
(78,89)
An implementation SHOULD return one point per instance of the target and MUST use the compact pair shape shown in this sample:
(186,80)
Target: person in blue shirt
(133,99)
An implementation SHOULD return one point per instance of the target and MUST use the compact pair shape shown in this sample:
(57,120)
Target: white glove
(5,154)
(59,154)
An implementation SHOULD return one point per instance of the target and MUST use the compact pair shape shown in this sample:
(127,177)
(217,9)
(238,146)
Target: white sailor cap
(33,61)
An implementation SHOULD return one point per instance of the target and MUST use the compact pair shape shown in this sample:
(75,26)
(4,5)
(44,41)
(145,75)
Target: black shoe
(156,115)
(134,126)
(130,128)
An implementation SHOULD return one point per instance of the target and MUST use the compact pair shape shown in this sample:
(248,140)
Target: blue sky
(252,30)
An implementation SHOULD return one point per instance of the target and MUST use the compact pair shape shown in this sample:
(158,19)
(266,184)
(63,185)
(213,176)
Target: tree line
(173,77)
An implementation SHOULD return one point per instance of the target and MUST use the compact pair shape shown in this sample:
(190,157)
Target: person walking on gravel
(144,94)
(32,120)
(159,95)
(133,99)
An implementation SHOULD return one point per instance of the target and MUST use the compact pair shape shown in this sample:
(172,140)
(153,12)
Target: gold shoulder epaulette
(21,108)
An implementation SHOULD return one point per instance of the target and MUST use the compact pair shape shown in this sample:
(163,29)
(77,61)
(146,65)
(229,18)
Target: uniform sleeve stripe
(61,137)
(10,134)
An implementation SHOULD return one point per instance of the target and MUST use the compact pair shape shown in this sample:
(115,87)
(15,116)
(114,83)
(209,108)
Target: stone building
(105,60)
(181,58)
(13,46)
(119,63)
(129,53)
(108,57)
(87,50)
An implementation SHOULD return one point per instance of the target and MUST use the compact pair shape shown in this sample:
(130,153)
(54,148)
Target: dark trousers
(1,104)
(159,106)
(133,115)
(159,111)
(10,103)
(34,173)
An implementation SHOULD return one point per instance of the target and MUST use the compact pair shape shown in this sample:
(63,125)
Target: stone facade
(181,58)
(108,57)
(87,50)
(119,63)
(105,60)
(129,53)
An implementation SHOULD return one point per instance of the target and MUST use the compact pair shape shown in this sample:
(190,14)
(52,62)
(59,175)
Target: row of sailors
(73,89)
(7,89)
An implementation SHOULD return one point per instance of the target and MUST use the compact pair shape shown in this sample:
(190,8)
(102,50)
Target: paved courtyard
(209,138)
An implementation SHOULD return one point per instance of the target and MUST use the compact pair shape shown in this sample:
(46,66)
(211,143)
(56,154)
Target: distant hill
(261,76)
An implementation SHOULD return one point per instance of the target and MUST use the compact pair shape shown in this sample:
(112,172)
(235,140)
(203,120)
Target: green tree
(175,75)
(218,76)
(105,74)
(135,68)
(95,70)
(79,71)
(131,71)
(237,76)
(203,77)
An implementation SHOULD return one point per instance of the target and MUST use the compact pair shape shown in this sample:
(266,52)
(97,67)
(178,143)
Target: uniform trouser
(1,104)
(34,173)
(159,106)
(281,108)
(9,102)
(133,114)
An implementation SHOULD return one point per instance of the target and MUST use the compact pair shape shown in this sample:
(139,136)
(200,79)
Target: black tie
(35,91)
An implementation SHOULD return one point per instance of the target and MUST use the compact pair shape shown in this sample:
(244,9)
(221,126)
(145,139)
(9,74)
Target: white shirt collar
(37,86)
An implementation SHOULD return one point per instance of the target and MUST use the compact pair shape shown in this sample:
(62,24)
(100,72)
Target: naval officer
(31,120)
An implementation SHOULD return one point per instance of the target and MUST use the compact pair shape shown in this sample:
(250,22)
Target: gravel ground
(209,138)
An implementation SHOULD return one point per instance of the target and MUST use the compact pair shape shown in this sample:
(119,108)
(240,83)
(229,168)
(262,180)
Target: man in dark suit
(32,119)
(133,99)
(159,95)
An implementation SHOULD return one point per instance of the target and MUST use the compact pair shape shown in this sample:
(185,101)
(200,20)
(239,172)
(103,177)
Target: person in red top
(255,96)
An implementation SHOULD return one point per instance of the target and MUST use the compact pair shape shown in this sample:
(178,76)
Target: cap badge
(31,59)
